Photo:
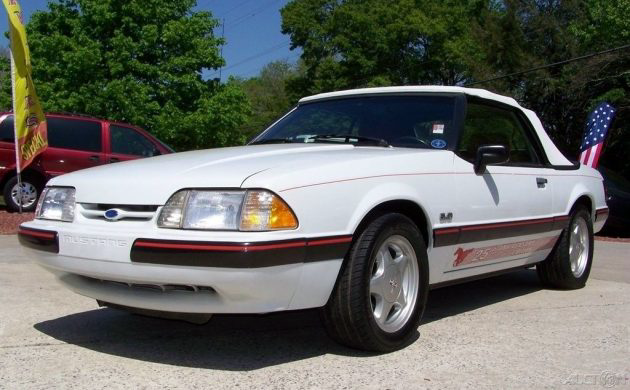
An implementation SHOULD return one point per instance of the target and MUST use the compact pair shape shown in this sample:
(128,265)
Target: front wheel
(569,264)
(382,291)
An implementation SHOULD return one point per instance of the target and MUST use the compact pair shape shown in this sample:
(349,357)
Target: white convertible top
(554,156)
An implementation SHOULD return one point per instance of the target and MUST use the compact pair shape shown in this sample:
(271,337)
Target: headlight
(254,210)
(56,203)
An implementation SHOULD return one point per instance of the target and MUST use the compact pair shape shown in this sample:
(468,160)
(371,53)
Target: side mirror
(488,155)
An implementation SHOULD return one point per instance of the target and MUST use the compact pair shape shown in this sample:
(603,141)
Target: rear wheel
(569,264)
(381,294)
(30,190)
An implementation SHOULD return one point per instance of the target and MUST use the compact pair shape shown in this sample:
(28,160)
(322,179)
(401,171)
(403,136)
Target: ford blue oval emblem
(438,143)
(112,214)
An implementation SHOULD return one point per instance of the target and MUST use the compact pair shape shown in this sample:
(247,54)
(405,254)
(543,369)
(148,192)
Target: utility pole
(222,43)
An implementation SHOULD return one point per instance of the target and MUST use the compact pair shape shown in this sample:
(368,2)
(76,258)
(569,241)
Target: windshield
(413,121)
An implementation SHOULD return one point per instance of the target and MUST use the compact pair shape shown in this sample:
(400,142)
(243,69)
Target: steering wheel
(409,139)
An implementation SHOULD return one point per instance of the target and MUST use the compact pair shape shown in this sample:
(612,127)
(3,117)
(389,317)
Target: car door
(7,147)
(504,214)
(73,144)
(127,143)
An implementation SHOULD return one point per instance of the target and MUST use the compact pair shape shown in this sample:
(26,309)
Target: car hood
(153,180)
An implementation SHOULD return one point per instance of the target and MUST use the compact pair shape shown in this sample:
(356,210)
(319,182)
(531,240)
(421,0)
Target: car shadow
(614,232)
(461,298)
(250,342)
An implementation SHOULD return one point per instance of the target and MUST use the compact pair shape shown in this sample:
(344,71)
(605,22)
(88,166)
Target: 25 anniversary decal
(477,255)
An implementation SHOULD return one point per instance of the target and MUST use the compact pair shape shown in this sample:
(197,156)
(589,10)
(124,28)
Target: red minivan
(74,142)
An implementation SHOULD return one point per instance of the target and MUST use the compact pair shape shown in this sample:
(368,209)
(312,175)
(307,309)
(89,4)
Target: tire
(30,184)
(558,270)
(370,281)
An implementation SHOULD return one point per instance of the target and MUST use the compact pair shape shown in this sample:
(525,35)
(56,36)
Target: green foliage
(373,42)
(606,23)
(138,61)
(357,43)
(563,96)
(141,61)
(268,95)
(6,102)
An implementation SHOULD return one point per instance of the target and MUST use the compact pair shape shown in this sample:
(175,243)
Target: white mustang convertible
(356,202)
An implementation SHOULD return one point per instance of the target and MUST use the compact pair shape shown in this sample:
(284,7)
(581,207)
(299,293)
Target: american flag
(596,129)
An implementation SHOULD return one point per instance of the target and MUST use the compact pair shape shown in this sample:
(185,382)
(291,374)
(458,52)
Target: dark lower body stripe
(43,240)
(239,255)
(495,231)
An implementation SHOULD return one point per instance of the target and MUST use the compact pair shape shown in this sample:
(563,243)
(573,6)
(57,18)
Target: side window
(125,140)
(74,134)
(488,125)
(7,133)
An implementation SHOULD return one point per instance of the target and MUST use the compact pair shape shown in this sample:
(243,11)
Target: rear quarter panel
(569,186)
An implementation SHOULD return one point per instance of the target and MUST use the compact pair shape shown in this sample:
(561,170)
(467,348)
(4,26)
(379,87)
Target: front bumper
(187,276)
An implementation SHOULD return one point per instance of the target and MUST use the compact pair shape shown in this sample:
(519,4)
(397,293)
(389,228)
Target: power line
(255,56)
(259,54)
(239,5)
(257,69)
(550,65)
(235,7)
(239,20)
(202,4)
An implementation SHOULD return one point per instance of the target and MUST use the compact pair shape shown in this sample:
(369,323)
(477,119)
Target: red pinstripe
(241,247)
(423,174)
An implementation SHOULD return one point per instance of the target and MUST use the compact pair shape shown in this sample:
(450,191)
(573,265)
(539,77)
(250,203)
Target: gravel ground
(9,222)
(612,239)
(502,332)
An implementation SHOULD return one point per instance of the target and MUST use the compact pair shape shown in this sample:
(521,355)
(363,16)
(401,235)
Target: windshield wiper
(273,141)
(348,137)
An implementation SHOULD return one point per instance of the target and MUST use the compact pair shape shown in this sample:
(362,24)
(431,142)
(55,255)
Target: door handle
(113,159)
(94,158)
(541,182)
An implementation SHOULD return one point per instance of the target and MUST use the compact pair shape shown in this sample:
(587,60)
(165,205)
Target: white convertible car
(357,202)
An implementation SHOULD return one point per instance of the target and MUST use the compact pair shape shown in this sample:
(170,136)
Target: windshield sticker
(438,128)
(438,143)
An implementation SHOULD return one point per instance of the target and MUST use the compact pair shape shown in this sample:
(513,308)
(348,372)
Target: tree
(607,25)
(6,102)
(268,95)
(371,42)
(355,43)
(138,61)
(520,35)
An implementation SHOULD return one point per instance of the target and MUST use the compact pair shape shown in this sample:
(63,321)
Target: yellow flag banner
(30,122)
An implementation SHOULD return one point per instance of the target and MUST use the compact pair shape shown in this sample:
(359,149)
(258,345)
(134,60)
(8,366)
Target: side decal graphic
(478,255)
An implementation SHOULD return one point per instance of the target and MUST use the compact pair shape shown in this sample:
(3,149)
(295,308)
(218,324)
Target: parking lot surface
(502,332)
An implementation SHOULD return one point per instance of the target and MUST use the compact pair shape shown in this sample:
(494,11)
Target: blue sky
(252,31)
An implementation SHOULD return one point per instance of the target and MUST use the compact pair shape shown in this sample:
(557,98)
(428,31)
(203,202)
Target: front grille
(156,287)
(125,211)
